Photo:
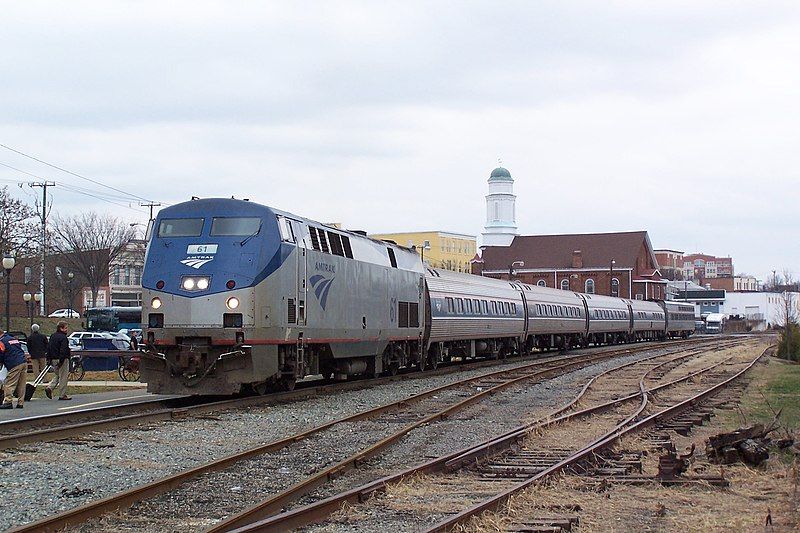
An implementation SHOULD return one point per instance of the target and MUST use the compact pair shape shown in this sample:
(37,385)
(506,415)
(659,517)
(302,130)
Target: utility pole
(151,205)
(43,217)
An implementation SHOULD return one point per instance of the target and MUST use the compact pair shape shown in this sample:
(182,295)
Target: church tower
(501,225)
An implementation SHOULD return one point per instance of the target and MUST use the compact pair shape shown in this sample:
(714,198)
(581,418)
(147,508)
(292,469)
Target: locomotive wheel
(422,364)
(261,388)
(394,367)
(433,361)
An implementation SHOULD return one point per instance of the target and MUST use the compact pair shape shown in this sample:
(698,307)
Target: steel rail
(603,442)
(131,496)
(118,419)
(310,513)
(278,501)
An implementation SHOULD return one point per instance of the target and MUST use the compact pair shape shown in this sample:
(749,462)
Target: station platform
(39,406)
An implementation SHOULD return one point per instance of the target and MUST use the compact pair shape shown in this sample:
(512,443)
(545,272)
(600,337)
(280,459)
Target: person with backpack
(58,352)
(12,356)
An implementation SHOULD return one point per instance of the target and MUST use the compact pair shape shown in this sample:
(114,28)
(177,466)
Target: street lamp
(511,268)
(611,279)
(426,245)
(8,264)
(70,277)
(27,296)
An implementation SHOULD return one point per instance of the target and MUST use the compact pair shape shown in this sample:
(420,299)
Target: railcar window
(402,314)
(180,227)
(459,306)
(348,252)
(514,309)
(287,234)
(312,231)
(323,241)
(392,258)
(336,243)
(469,305)
(477,305)
(539,309)
(494,307)
(413,315)
(450,307)
(485,307)
(235,226)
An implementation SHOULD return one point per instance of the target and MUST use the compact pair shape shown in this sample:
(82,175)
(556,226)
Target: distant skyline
(677,118)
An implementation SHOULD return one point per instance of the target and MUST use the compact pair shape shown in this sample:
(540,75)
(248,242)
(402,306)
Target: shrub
(789,343)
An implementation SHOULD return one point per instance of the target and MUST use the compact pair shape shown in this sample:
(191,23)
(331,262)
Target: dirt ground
(754,494)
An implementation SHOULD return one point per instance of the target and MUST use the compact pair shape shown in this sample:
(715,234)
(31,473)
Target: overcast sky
(679,118)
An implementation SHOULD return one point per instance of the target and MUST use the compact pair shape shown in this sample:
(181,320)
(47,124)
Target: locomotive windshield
(237,226)
(180,227)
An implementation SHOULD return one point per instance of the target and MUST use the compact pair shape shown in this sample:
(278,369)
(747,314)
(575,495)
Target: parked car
(64,313)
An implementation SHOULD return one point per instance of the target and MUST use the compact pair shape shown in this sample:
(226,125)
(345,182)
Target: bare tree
(19,233)
(90,243)
(789,344)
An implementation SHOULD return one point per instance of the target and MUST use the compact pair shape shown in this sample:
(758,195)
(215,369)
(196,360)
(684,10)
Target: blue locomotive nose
(210,246)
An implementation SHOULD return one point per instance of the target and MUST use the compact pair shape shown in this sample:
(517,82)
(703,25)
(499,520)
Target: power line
(73,173)
(105,197)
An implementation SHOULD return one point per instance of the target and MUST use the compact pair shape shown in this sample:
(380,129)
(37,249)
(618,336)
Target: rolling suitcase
(30,388)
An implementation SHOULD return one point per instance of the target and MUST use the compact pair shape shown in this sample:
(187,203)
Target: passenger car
(64,313)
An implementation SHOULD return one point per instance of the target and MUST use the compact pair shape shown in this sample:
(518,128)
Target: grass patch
(775,386)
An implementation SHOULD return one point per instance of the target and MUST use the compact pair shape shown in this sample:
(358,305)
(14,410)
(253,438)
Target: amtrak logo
(321,286)
(197,262)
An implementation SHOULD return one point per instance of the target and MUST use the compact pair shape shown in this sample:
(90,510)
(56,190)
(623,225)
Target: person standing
(58,352)
(13,358)
(37,348)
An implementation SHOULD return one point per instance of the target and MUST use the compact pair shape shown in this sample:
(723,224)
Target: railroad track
(535,467)
(490,383)
(47,428)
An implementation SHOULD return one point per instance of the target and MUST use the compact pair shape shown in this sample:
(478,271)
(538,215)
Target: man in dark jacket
(37,348)
(13,358)
(58,352)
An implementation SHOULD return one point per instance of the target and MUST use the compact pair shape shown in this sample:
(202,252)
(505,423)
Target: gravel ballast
(70,473)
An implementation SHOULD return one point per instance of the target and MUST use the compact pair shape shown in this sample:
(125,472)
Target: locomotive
(239,297)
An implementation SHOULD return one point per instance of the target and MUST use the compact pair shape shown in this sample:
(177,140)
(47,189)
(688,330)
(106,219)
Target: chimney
(577,259)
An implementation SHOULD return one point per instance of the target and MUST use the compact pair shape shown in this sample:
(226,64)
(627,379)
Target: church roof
(555,251)
(500,174)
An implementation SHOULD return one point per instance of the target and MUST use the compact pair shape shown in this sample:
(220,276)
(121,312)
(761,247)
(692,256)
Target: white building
(501,225)
(766,309)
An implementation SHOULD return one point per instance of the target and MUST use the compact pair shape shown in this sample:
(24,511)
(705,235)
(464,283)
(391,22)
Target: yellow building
(439,249)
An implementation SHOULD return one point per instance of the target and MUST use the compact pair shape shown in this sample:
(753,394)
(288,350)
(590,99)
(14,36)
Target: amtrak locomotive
(238,296)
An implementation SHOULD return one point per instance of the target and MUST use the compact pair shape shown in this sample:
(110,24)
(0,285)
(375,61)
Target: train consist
(239,296)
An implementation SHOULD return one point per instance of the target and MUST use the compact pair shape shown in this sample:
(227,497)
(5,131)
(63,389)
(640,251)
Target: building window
(541,283)
(28,274)
(614,287)
(589,286)
(564,284)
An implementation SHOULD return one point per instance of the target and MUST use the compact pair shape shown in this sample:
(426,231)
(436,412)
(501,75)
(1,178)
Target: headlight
(195,283)
(233,302)
(156,303)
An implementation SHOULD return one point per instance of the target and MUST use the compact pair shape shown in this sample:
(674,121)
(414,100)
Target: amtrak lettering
(196,261)
(325,267)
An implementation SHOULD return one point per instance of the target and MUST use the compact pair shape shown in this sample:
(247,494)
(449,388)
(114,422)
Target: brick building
(702,266)
(670,264)
(619,264)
